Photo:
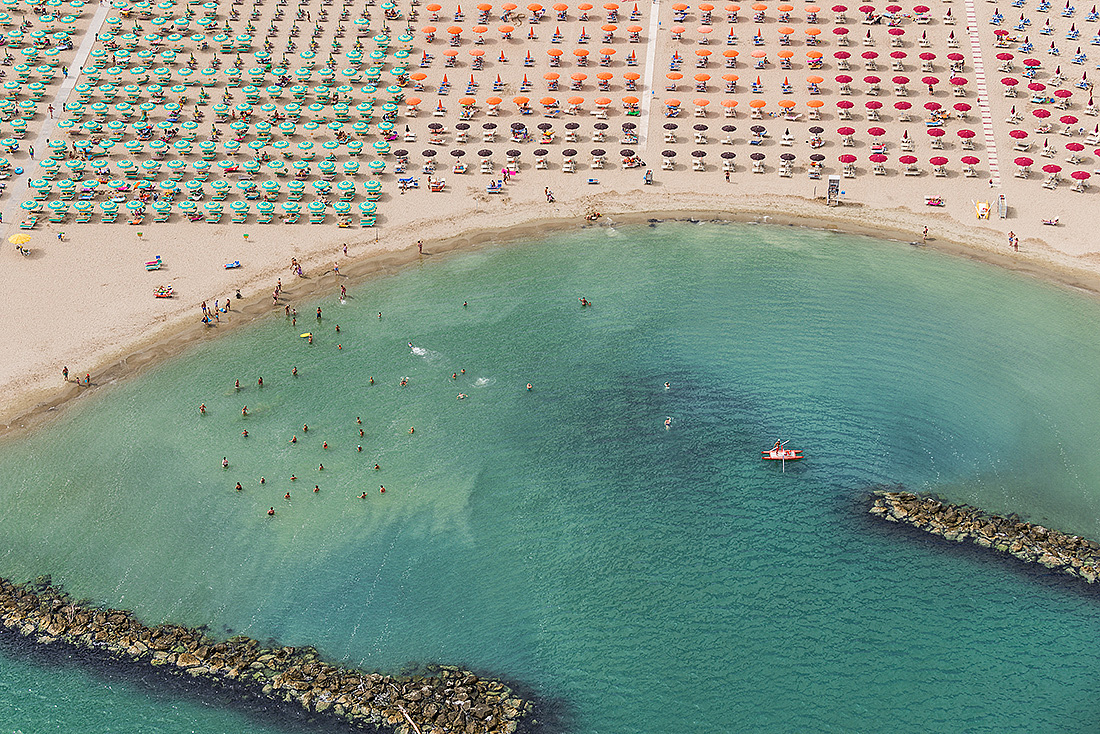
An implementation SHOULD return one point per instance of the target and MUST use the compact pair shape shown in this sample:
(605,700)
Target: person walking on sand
(1012,239)
(420,246)
(65,373)
(924,235)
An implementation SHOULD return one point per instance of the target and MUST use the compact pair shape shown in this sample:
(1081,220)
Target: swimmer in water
(372,379)
(360,433)
(321,467)
(454,376)
(294,439)
(668,385)
(239,487)
(528,385)
(237,385)
(202,409)
(294,372)
(404,381)
(363,496)
(376,467)
(244,410)
(261,382)
(462,372)
(310,339)
(410,345)
(382,490)
(305,428)
(316,488)
(359,420)
(263,481)
(668,423)
(244,433)
(464,304)
(225,462)
(338,328)
(271,511)
(286,496)
(293,478)
(462,396)
(359,448)
(324,445)
(411,431)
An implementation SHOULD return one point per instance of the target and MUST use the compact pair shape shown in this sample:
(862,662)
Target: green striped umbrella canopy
(100,108)
(66,183)
(208,146)
(201,166)
(76,165)
(240,206)
(220,109)
(171,107)
(220,185)
(90,183)
(226,164)
(66,124)
(30,206)
(311,127)
(206,23)
(58,206)
(305,146)
(263,126)
(164,125)
(57,144)
(354,57)
(158,146)
(168,56)
(252,166)
(109,206)
(272,186)
(316,206)
(116,126)
(147,55)
(74,107)
(244,41)
(162,207)
(307,56)
(301,166)
(117,183)
(134,205)
(296,185)
(134,146)
(246,185)
(342,207)
(274,90)
(12,87)
(265,58)
(185,72)
(251,90)
(266,207)
(355,146)
(351,168)
(322,187)
(9,142)
(389,107)
(360,128)
(177,165)
(84,206)
(345,186)
(190,126)
(169,185)
(150,165)
(362,23)
(330,145)
(28,107)
(276,165)
(280,145)
(327,166)
(147,107)
(377,166)
(257,145)
(115,70)
(385,127)
(231,145)
(335,126)
(316,109)
(213,207)
(381,147)
(287,128)
(187,207)
(376,55)
(125,164)
(373,186)
(106,145)
(244,107)
(125,108)
(178,89)
(40,183)
(367,207)
(350,73)
(291,207)
(50,165)
(193,185)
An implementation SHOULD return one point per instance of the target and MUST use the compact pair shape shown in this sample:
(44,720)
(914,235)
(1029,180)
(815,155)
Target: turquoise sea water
(633,578)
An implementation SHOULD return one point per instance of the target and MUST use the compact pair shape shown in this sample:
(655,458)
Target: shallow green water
(637,579)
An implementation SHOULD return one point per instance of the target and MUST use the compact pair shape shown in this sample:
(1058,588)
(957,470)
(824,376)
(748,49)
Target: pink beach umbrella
(896,31)
(965,134)
(876,132)
(845,104)
(1052,168)
(842,55)
(937,132)
(961,107)
(878,158)
(840,31)
(958,81)
(903,106)
(1032,63)
(1041,113)
(870,55)
(843,79)
(1036,86)
(847,158)
(1067,120)
(955,57)
(971,160)
(930,80)
(899,55)
(1080,175)
(908,159)
(938,161)
(1017,134)
(871,79)
(874,104)
(1023,161)
(1009,81)
(920,9)
(932,106)
(1004,56)
(1063,93)
(927,56)
(1074,147)
(846,131)
(902,80)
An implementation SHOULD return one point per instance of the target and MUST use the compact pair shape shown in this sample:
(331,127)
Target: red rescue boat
(779,453)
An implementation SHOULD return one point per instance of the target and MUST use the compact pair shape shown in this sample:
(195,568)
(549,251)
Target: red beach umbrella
(902,105)
(843,79)
(938,161)
(876,132)
(971,160)
(1023,161)
(1080,175)
(908,159)
(965,134)
(845,104)
(1075,147)
(871,79)
(1004,56)
(874,105)
(930,80)
(1063,93)
(1017,134)
(1009,81)
(846,131)
(932,106)
(1067,120)
(1036,87)
(962,107)
(937,132)
(847,158)
(878,158)
(1041,113)
(1052,168)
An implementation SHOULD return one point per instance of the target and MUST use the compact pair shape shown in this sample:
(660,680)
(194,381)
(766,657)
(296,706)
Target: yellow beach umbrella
(19,239)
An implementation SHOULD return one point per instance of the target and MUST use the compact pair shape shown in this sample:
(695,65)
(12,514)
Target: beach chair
(758,166)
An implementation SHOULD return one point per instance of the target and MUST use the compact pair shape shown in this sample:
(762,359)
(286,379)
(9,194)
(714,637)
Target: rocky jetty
(446,701)
(1070,554)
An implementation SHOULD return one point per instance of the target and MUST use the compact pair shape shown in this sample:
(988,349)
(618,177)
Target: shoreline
(30,410)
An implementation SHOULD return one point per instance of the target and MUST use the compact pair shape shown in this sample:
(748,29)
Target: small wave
(483,382)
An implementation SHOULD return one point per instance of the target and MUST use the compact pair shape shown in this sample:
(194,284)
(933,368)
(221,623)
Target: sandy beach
(86,301)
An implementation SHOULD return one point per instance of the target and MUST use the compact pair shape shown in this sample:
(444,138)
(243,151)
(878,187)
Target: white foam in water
(483,382)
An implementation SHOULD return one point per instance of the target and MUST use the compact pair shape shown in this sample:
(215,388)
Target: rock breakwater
(1069,554)
(445,701)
